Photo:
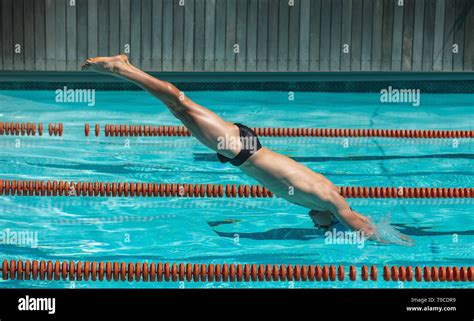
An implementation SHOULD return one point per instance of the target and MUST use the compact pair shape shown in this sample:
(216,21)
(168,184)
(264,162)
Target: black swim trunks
(250,145)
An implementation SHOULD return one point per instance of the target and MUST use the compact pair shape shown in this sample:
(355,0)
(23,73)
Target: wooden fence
(240,35)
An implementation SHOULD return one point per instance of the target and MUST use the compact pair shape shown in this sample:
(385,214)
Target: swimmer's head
(322,219)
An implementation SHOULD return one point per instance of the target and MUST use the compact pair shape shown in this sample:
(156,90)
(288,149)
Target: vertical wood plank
(325,50)
(135,33)
(303,63)
(7,34)
(460,24)
(438,36)
(114,27)
(18,36)
(40,36)
(407,50)
(81,32)
(231,39)
(293,35)
(428,36)
(50,19)
(418,35)
(29,47)
(377,36)
(252,17)
(262,35)
(189,26)
(199,34)
(167,35)
(367,15)
(450,10)
(336,16)
(178,36)
(71,36)
(220,35)
(284,11)
(397,41)
(125,42)
(314,37)
(103,19)
(469,41)
(146,34)
(210,35)
(346,29)
(92,28)
(272,63)
(157,34)
(356,35)
(1,38)
(241,56)
(7,37)
(387,31)
(61,35)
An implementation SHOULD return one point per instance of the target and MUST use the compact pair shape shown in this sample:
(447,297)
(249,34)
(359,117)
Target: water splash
(389,234)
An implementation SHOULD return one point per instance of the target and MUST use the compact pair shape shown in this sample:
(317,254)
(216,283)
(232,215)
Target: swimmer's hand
(381,232)
(387,234)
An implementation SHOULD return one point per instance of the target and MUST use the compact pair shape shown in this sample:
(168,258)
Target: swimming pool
(213,230)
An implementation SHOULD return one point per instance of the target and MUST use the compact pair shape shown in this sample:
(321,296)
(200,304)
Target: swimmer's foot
(107,65)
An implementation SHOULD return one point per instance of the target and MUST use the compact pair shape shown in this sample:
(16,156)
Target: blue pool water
(263,230)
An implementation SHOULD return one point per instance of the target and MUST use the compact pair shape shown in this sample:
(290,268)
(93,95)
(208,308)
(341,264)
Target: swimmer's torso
(288,179)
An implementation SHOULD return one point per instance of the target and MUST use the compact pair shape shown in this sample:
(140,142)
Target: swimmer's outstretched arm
(350,218)
(358,222)
(204,124)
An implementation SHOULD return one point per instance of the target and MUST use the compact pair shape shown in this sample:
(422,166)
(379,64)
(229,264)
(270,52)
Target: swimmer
(238,144)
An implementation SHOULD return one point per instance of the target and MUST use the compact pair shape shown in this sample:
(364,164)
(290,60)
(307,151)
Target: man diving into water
(238,144)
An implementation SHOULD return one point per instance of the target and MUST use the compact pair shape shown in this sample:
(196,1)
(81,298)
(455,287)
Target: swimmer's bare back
(283,176)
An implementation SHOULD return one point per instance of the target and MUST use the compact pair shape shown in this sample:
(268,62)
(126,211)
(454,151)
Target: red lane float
(144,130)
(144,189)
(29,129)
(174,272)
(121,130)
(128,189)
(406,192)
(87,130)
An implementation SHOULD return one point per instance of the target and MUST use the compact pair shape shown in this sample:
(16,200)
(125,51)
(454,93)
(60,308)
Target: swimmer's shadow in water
(424,231)
(307,234)
(300,234)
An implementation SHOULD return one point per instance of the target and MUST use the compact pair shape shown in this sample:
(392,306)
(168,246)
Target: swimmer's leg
(205,125)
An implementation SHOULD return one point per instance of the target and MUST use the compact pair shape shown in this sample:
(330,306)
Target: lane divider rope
(29,129)
(124,130)
(173,272)
(12,128)
(148,189)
